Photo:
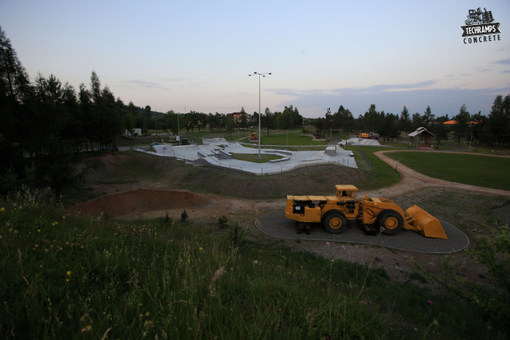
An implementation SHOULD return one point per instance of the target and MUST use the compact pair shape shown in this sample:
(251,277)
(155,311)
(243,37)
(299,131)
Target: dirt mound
(140,201)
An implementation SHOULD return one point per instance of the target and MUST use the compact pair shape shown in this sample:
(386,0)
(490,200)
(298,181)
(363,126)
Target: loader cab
(346,192)
(346,200)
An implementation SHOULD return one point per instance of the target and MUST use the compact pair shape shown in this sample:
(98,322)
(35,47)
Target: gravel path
(412,180)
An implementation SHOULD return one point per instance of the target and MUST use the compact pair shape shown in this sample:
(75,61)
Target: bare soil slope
(140,201)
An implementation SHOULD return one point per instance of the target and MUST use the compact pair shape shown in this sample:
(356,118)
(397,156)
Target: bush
(492,302)
(494,252)
(184,216)
(223,222)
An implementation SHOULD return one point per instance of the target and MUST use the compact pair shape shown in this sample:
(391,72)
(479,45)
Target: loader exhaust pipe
(421,221)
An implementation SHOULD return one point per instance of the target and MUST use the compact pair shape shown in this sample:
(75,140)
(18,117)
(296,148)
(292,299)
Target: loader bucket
(421,221)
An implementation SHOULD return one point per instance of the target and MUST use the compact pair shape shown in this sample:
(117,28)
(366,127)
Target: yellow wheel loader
(372,214)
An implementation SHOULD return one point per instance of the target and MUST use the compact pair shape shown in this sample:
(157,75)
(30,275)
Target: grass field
(72,277)
(485,171)
(379,174)
(290,138)
(254,158)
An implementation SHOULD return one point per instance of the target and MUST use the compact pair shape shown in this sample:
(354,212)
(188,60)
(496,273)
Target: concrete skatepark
(218,152)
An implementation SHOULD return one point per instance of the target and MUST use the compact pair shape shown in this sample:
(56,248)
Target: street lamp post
(260,113)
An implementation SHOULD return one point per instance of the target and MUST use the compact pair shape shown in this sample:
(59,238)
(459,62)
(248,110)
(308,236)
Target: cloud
(503,61)
(398,87)
(145,84)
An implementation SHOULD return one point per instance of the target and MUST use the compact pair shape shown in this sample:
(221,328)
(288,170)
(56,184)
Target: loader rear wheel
(390,222)
(334,222)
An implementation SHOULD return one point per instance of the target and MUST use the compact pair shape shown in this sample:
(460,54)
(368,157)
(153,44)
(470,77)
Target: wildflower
(255,262)
(67,280)
(68,273)
(38,230)
(86,329)
(429,302)
(2,209)
(217,275)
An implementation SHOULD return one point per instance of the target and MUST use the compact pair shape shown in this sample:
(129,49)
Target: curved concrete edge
(276,225)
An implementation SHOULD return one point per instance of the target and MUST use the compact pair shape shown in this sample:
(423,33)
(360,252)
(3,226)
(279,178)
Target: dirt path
(412,180)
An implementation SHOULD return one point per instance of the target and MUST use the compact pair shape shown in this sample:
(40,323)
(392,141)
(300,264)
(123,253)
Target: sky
(197,55)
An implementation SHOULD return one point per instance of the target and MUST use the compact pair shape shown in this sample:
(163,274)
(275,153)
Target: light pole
(260,114)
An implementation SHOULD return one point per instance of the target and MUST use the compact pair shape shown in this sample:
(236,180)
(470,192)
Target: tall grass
(70,277)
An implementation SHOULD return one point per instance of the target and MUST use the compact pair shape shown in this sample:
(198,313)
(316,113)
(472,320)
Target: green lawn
(485,171)
(380,174)
(254,157)
(290,138)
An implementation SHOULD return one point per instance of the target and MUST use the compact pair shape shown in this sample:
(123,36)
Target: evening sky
(196,55)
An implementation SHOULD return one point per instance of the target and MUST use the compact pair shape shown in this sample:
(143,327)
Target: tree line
(491,130)
(44,125)
(192,121)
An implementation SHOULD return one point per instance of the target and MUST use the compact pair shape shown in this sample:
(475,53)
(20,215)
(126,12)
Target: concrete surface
(360,141)
(278,226)
(218,152)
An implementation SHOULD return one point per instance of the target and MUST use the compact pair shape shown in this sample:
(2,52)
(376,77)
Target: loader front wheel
(390,222)
(334,222)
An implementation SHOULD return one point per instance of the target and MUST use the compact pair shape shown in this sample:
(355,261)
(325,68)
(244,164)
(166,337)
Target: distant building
(421,137)
(133,132)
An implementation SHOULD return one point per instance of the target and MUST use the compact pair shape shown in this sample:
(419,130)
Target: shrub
(223,222)
(184,216)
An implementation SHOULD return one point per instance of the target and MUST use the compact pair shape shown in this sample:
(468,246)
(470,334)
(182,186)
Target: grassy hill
(109,173)
(65,276)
